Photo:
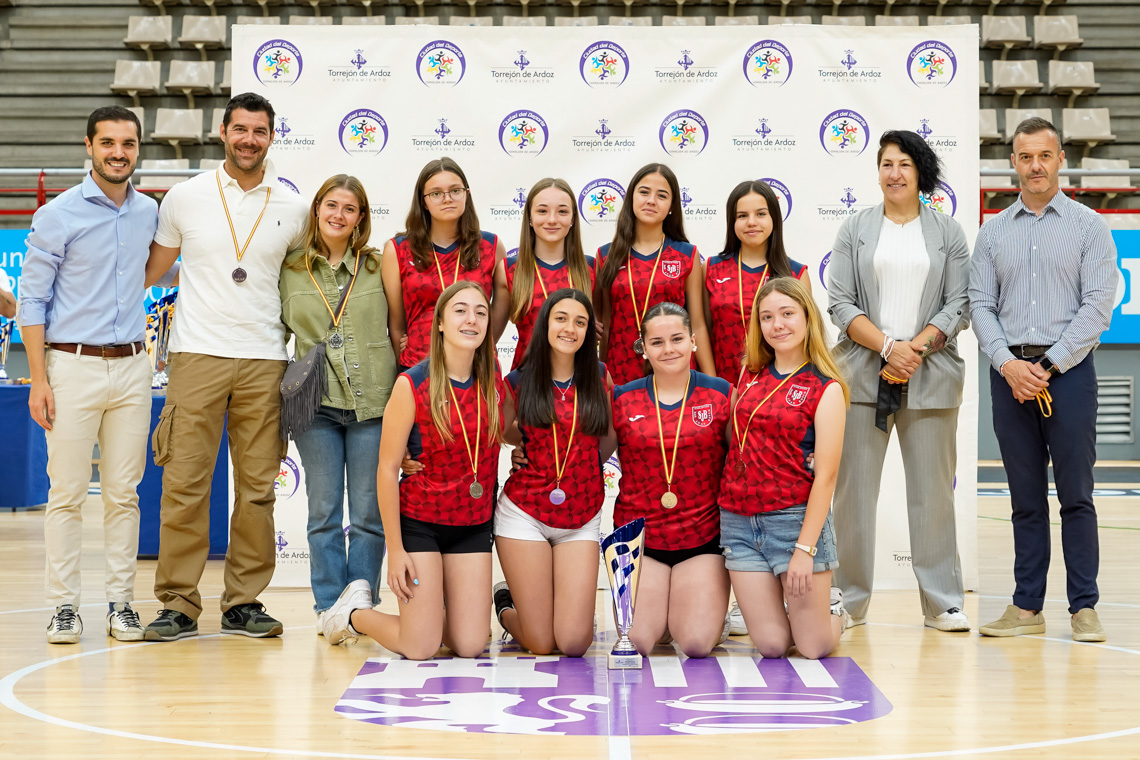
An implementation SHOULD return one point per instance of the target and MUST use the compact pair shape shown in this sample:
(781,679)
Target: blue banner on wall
(1125,326)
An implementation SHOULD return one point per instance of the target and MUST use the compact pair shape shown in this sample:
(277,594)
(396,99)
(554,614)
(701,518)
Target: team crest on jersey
(671,269)
(703,415)
(797,395)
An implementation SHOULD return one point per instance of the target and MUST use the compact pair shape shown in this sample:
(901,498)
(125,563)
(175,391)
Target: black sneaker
(251,620)
(501,595)
(171,625)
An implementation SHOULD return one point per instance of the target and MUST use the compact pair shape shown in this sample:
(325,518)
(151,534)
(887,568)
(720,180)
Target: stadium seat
(192,78)
(261,20)
(140,112)
(160,5)
(263,4)
(136,78)
(576,20)
(160,182)
(1072,78)
(209,164)
(310,20)
(1014,116)
(630,21)
(1086,126)
(843,20)
(1005,32)
(178,126)
(983,85)
(996,163)
(1015,78)
(683,20)
(524,20)
(1057,32)
(896,20)
(987,125)
(212,134)
(736,21)
(473,21)
(784,20)
(948,20)
(149,33)
(416,20)
(315,5)
(211,4)
(204,32)
(363,20)
(366,5)
(227,76)
(1105,163)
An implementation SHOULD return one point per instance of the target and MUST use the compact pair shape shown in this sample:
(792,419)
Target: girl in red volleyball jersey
(683,591)
(775,519)
(448,411)
(549,257)
(549,514)
(649,262)
(441,244)
(753,254)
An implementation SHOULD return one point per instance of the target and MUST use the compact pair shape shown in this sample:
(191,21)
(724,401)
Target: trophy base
(624,661)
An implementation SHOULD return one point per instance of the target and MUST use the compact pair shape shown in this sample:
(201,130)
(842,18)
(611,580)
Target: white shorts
(512,522)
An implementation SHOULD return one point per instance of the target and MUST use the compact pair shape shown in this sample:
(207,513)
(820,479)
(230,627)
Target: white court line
(667,672)
(812,673)
(620,748)
(741,672)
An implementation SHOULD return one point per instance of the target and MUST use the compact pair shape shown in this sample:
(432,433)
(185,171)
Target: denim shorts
(764,543)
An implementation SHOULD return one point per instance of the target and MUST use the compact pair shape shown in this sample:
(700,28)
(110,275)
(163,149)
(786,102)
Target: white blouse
(901,267)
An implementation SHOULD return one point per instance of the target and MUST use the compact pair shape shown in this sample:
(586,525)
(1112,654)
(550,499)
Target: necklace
(562,390)
(239,274)
(669,499)
(747,425)
(639,344)
(475,490)
(907,220)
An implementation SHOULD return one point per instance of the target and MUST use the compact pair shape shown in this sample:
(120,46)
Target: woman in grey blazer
(897,292)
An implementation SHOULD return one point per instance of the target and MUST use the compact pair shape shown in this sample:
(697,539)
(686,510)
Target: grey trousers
(927,438)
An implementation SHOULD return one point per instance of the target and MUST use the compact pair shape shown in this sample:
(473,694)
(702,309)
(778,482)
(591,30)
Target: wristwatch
(1048,365)
(811,550)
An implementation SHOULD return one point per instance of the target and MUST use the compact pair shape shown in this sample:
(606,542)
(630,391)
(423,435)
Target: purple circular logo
(942,199)
(440,63)
(823,269)
(931,63)
(277,62)
(604,64)
(523,133)
(783,193)
(289,184)
(767,62)
(683,133)
(363,132)
(600,201)
(288,479)
(843,133)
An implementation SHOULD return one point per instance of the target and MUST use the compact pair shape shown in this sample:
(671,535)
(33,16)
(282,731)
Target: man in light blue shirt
(83,323)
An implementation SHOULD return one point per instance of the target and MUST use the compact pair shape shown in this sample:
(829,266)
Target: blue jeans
(337,444)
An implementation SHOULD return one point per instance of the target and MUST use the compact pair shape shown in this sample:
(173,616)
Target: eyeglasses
(455,193)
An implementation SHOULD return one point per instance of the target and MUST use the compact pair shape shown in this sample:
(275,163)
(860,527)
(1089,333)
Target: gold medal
(668,500)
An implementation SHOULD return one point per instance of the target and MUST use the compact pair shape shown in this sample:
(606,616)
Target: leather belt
(1029,352)
(105,352)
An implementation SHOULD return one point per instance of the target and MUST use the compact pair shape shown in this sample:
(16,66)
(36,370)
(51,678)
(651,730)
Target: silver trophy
(162,313)
(622,551)
(5,344)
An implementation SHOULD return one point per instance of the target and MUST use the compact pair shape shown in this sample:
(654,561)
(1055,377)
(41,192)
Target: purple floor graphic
(581,697)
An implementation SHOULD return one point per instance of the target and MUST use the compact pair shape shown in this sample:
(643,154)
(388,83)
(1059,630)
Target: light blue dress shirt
(84,271)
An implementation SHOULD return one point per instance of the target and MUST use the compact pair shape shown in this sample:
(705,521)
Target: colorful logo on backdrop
(523,133)
(768,62)
(783,193)
(684,69)
(604,64)
(572,696)
(289,184)
(605,138)
(441,63)
(363,132)
(522,69)
(823,269)
(844,133)
(684,133)
(442,133)
(358,68)
(510,207)
(600,201)
(764,135)
(942,199)
(693,209)
(288,479)
(844,203)
(850,67)
(293,136)
(277,62)
(941,143)
(932,63)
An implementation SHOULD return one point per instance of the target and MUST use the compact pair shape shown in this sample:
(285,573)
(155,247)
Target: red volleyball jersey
(554,277)
(780,438)
(421,288)
(677,261)
(700,458)
(440,493)
(727,330)
(529,487)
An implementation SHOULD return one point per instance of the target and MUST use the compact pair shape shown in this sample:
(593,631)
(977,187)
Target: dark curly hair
(927,163)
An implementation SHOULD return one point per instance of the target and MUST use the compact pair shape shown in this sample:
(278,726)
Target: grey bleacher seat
(416,20)
(136,78)
(1005,32)
(683,21)
(736,21)
(1057,32)
(273,20)
(524,20)
(983,85)
(204,33)
(192,78)
(843,20)
(896,20)
(140,112)
(227,76)
(149,33)
(363,20)
(1105,163)
(1014,116)
(1015,78)
(212,133)
(948,20)
(996,163)
(1087,126)
(178,126)
(987,125)
(209,164)
(310,20)
(153,182)
(630,21)
(473,21)
(785,20)
(1072,78)
(576,20)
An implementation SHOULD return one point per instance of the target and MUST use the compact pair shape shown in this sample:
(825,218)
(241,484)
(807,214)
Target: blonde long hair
(482,367)
(358,244)
(759,354)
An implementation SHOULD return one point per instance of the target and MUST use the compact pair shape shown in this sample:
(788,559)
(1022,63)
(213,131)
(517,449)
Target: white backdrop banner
(799,106)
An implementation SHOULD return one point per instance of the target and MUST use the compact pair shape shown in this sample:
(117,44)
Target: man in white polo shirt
(232,227)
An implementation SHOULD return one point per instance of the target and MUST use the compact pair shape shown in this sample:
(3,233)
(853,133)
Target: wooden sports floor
(933,694)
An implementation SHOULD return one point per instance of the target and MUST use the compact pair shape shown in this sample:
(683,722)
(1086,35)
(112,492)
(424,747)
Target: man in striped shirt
(1041,293)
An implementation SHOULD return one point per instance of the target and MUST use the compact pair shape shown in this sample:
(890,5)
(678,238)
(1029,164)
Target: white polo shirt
(216,315)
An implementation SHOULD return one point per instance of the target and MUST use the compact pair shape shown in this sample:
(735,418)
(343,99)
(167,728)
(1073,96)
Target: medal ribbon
(747,425)
(648,291)
(560,465)
(344,305)
(740,287)
(439,269)
(670,467)
(538,273)
(463,427)
(241,251)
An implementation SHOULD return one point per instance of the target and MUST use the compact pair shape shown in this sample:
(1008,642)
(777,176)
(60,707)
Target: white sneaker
(337,628)
(838,609)
(736,624)
(952,619)
(725,631)
(123,623)
(320,624)
(65,626)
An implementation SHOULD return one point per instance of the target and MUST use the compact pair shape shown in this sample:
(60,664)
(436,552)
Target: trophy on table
(622,551)
(159,319)
(5,344)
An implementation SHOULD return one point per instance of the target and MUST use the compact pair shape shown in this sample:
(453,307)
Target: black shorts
(420,536)
(674,558)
